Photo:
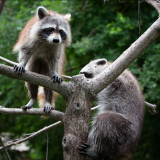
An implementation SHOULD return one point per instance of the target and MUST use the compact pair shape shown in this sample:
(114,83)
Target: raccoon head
(54,28)
(94,68)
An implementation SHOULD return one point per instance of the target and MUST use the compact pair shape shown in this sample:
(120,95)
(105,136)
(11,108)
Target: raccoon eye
(61,31)
(63,34)
(50,29)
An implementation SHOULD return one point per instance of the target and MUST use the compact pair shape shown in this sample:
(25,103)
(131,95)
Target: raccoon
(116,127)
(41,49)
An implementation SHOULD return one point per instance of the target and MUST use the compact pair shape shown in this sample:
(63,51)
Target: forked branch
(6,153)
(124,60)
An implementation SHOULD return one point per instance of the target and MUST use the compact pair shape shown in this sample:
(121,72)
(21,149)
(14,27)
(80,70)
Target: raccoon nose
(55,40)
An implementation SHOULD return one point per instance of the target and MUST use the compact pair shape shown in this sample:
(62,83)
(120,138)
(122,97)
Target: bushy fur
(116,128)
(41,49)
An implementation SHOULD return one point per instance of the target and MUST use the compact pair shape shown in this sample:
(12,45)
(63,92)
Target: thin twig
(34,111)
(8,61)
(95,108)
(6,6)
(5,150)
(2,2)
(31,136)
(151,107)
(66,77)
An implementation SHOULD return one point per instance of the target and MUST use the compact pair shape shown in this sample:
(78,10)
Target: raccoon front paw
(47,108)
(56,78)
(84,148)
(26,107)
(19,69)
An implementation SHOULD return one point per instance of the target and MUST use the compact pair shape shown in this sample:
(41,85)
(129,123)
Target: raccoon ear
(42,12)
(67,17)
(101,61)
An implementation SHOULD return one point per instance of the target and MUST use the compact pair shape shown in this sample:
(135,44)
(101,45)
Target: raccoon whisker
(42,37)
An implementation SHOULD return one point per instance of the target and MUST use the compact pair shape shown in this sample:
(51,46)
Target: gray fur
(41,49)
(116,128)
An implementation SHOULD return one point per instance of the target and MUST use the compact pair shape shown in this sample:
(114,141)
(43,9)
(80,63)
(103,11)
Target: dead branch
(124,60)
(151,108)
(34,112)
(95,108)
(37,79)
(6,153)
(14,63)
(32,135)
(155,4)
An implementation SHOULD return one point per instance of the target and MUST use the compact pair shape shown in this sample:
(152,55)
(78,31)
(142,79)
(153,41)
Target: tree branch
(151,107)
(37,112)
(34,112)
(14,63)
(8,61)
(2,2)
(32,135)
(155,4)
(101,81)
(37,79)
(6,153)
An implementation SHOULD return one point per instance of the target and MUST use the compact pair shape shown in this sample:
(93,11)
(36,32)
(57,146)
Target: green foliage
(99,31)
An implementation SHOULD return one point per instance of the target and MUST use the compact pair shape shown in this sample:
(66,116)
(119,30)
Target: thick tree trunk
(76,119)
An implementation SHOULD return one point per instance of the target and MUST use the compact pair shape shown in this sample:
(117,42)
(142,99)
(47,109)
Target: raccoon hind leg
(48,95)
(32,92)
(46,99)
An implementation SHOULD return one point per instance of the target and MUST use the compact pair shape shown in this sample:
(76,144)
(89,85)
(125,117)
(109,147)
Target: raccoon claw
(19,69)
(83,148)
(26,107)
(47,109)
(57,79)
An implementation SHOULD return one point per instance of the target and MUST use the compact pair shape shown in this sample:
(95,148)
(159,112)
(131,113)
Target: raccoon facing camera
(41,49)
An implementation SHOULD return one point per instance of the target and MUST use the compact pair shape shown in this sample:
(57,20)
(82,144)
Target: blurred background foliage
(98,31)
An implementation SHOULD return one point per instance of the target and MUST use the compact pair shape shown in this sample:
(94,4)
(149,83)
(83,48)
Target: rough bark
(76,118)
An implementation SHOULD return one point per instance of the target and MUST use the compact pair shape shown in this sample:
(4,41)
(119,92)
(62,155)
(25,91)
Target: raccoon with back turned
(116,128)
(41,49)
